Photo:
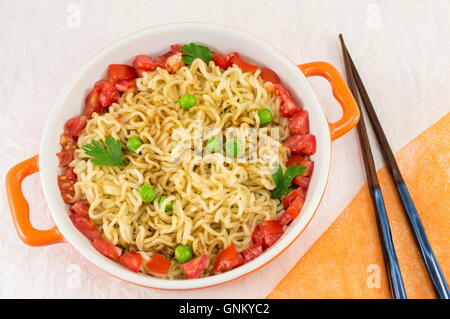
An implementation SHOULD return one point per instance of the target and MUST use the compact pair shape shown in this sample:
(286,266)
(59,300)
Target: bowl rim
(73,236)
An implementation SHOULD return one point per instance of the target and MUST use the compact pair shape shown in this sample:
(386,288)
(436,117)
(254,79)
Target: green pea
(183,253)
(187,101)
(265,116)
(169,205)
(147,193)
(233,148)
(133,143)
(213,144)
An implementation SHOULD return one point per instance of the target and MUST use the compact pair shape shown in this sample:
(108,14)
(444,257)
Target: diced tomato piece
(117,72)
(132,260)
(309,167)
(282,92)
(302,181)
(108,95)
(304,145)
(295,207)
(194,267)
(67,142)
(125,85)
(162,59)
(69,175)
(75,125)
(221,61)
(67,194)
(285,219)
(288,106)
(65,184)
(252,252)
(159,264)
(299,123)
(243,65)
(92,102)
(269,75)
(270,227)
(271,231)
(227,259)
(296,160)
(144,63)
(288,199)
(269,240)
(257,237)
(174,62)
(267,233)
(80,208)
(299,160)
(65,157)
(86,227)
(106,248)
(175,48)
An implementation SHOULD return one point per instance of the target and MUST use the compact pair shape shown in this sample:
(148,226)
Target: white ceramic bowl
(155,41)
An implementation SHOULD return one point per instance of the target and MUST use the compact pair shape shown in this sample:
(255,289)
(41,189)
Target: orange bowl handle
(342,94)
(20,210)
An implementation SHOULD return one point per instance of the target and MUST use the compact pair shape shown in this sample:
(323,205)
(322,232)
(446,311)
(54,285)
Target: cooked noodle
(214,203)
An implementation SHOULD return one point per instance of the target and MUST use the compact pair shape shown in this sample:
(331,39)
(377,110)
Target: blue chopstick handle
(427,252)
(394,273)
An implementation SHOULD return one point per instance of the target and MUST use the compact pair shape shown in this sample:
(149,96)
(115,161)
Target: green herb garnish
(112,155)
(192,51)
(283,181)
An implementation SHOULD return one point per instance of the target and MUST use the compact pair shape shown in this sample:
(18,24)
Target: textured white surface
(400,47)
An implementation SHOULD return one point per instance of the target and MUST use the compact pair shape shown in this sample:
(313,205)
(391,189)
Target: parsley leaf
(192,51)
(112,155)
(283,181)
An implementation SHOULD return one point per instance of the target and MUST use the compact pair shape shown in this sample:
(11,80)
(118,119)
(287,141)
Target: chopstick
(434,270)
(388,249)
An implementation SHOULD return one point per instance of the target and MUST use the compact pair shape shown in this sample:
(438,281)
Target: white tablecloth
(401,48)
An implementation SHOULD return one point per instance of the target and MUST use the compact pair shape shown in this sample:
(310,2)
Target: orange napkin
(348,256)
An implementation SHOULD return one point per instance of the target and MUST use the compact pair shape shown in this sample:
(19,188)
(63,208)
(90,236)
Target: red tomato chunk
(80,208)
(106,248)
(271,231)
(159,264)
(131,260)
(227,259)
(92,102)
(302,181)
(270,76)
(108,95)
(252,252)
(295,207)
(143,63)
(299,123)
(243,65)
(303,145)
(65,184)
(194,267)
(75,125)
(87,228)
(125,85)
(65,157)
(288,199)
(288,106)
(117,72)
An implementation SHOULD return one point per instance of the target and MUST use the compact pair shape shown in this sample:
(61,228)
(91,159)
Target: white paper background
(401,48)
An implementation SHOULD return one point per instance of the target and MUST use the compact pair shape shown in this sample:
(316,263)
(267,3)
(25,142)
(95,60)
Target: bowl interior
(155,41)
